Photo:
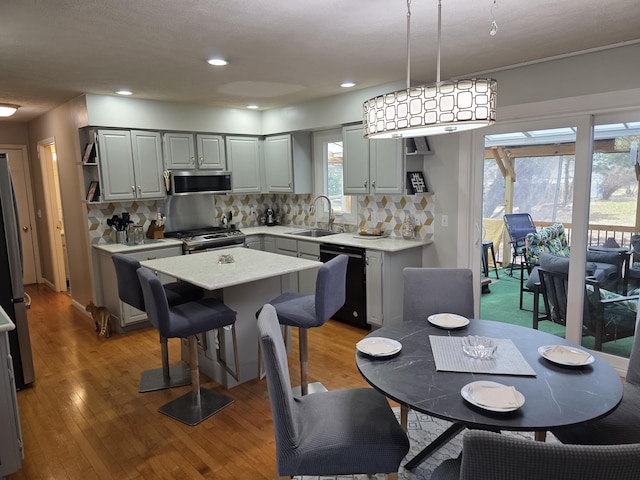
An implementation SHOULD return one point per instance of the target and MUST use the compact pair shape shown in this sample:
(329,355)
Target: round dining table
(556,396)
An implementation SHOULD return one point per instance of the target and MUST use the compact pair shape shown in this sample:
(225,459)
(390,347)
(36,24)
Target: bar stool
(486,247)
(130,292)
(307,311)
(186,321)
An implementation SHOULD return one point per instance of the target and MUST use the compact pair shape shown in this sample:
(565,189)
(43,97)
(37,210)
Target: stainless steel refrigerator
(11,282)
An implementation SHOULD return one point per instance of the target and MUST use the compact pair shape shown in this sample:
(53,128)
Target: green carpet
(503,305)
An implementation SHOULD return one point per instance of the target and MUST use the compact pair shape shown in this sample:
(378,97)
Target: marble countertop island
(203,269)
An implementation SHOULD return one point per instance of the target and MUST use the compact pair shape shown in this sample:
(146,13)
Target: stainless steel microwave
(189,182)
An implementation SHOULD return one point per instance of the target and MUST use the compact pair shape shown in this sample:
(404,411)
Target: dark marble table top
(556,396)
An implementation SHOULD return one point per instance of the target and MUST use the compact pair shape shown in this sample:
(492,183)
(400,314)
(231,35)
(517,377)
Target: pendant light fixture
(7,109)
(433,109)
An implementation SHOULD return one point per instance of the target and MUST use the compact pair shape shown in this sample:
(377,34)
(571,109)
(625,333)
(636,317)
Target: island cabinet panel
(243,156)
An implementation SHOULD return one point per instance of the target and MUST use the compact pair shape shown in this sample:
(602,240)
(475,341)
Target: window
(329,175)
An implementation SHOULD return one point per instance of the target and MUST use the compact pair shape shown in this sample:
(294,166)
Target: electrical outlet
(445,220)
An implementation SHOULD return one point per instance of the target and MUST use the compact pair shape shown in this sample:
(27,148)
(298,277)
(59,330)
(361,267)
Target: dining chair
(620,426)
(186,321)
(130,292)
(492,456)
(307,311)
(340,432)
(428,291)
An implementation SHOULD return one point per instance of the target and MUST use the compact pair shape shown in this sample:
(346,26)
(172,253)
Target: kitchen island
(254,278)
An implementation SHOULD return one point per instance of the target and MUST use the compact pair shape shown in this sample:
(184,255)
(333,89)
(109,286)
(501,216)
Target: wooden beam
(551,150)
(509,163)
(499,161)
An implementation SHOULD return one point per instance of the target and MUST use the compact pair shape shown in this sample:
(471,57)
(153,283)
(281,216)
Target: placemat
(449,357)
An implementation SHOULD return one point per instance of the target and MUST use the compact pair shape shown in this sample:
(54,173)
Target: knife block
(154,231)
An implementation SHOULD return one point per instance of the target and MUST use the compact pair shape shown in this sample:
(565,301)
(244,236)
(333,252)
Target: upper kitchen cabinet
(211,154)
(130,164)
(179,151)
(371,166)
(243,155)
(180,154)
(287,163)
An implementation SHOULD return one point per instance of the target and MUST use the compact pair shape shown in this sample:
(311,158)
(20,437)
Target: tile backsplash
(386,212)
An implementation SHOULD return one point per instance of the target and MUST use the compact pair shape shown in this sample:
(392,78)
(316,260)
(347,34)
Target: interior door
(19,165)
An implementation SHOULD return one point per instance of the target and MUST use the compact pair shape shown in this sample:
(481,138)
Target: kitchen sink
(312,233)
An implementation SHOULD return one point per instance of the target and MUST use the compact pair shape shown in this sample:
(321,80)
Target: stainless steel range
(209,238)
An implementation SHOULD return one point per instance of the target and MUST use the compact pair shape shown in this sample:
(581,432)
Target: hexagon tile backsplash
(386,212)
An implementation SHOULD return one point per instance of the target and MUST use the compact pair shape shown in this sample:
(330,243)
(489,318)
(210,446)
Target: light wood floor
(84,418)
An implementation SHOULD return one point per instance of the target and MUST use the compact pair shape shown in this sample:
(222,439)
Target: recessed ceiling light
(253,106)
(218,62)
(348,84)
(124,92)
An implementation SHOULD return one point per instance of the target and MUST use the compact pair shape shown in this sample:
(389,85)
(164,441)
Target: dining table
(244,279)
(555,393)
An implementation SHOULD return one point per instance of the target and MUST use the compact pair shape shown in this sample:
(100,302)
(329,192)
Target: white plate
(467,394)
(379,346)
(547,351)
(448,320)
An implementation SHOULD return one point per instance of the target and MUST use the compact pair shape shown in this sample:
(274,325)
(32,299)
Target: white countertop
(386,244)
(203,269)
(5,322)
(128,248)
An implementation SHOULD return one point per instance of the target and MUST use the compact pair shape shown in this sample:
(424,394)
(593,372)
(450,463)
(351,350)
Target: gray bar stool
(307,311)
(186,321)
(130,292)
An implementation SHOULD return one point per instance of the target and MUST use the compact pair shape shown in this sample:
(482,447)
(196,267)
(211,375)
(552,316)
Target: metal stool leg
(198,404)
(165,377)
(305,388)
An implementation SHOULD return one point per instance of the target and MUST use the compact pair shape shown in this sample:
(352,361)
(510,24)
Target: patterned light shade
(433,109)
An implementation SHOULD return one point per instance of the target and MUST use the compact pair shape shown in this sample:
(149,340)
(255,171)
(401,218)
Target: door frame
(59,280)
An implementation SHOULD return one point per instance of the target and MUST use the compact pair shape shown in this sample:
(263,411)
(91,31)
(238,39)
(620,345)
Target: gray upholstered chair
(186,321)
(491,456)
(620,426)
(428,291)
(130,292)
(307,311)
(341,432)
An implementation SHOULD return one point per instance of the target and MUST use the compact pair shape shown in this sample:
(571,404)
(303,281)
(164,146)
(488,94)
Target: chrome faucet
(312,210)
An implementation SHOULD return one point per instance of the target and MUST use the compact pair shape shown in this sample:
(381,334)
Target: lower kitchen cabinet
(305,281)
(385,284)
(107,287)
(254,242)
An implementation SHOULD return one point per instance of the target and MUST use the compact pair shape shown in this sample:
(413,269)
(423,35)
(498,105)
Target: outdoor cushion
(556,263)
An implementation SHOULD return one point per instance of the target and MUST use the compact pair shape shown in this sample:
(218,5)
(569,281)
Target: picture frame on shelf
(89,157)
(93,193)
(416,183)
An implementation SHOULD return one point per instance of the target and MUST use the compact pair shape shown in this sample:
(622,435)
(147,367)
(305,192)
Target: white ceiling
(281,52)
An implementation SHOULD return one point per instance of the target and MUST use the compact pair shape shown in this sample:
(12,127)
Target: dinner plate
(448,320)
(378,346)
(562,355)
(467,394)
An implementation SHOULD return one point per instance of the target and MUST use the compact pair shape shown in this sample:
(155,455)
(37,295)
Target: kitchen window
(329,175)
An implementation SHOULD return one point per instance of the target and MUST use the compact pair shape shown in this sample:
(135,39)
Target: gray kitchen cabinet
(179,151)
(371,166)
(243,156)
(130,165)
(180,154)
(11,450)
(385,284)
(269,244)
(254,242)
(307,278)
(211,153)
(289,247)
(287,163)
(124,314)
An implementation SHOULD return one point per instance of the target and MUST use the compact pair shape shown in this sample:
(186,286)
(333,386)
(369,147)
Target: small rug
(422,430)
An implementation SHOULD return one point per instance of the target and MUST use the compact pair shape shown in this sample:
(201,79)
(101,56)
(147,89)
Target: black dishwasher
(354,310)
